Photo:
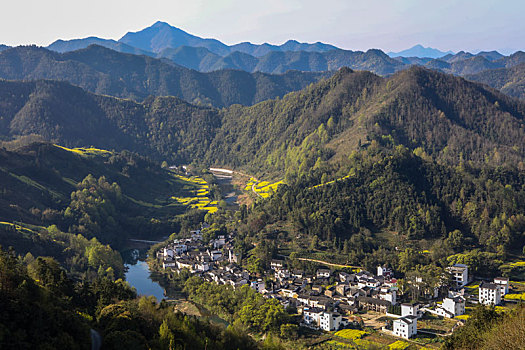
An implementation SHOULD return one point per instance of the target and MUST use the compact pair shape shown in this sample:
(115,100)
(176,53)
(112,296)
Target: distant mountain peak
(420,51)
(161,36)
(161,24)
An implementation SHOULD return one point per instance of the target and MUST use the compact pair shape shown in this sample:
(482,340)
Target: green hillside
(510,81)
(103,71)
(110,196)
(448,118)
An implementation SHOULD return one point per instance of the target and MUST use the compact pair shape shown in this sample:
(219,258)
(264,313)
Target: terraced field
(196,194)
(262,188)
(86,151)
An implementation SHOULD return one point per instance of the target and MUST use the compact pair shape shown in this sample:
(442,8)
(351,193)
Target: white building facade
(405,327)
(489,293)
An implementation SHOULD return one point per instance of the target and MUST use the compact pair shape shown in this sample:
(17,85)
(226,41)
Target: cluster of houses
(324,298)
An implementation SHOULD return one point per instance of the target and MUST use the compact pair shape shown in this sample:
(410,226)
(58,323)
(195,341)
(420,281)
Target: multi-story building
(409,309)
(459,274)
(325,320)
(489,293)
(405,327)
(503,284)
(330,321)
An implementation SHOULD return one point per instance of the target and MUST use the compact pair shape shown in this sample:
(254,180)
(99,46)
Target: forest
(44,308)
(450,119)
(418,170)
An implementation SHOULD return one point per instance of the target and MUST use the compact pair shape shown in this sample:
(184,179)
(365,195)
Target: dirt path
(329,264)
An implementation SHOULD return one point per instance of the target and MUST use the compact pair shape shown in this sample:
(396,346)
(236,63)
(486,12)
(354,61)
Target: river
(138,275)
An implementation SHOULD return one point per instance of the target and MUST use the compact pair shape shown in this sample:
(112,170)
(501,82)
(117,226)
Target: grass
(515,296)
(17,227)
(144,204)
(399,345)
(351,334)
(472,288)
(86,151)
(34,184)
(70,181)
(366,343)
(463,317)
(340,345)
(262,188)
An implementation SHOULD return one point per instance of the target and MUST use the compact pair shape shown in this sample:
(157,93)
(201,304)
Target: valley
(167,191)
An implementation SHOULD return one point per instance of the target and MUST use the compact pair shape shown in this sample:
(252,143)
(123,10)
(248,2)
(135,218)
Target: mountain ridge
(161,36)
(449,118)
(105,71)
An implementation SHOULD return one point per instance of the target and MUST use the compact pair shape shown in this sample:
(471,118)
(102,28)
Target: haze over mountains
(206,55)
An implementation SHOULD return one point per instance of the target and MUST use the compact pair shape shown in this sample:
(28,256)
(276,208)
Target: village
(327,300)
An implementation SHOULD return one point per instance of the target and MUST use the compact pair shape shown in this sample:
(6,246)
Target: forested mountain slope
(104,71)
(110,196)
(510,81)
(449,118)
(390,189)
(72,117)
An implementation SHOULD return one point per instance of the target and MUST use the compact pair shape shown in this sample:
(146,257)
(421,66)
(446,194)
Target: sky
(391,25)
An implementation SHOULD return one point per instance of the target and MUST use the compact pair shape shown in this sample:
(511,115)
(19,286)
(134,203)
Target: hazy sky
(351,24)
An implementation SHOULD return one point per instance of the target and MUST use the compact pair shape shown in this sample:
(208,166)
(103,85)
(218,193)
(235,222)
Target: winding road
(96,340)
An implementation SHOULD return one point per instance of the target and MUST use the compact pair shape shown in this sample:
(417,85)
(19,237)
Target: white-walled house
(219,242)
(388,294)
(201,266)
(489,293)
(459,274)
(168,263)
(330,321)
(503,284)
(452,307)
(409,309)
(325,320)
(180,248)
(311,316)
(405,327)
(384,271)
(277,264)
(168,253)
(215,254)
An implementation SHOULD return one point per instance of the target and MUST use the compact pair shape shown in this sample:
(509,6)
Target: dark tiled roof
(373,301)
(486,285)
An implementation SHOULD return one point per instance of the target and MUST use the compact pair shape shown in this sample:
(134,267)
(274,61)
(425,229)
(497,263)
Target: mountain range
(161,36)
(104,71)
(448,117)
(206,55)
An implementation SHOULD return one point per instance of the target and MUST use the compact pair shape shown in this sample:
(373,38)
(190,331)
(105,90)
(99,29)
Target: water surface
(138,276)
